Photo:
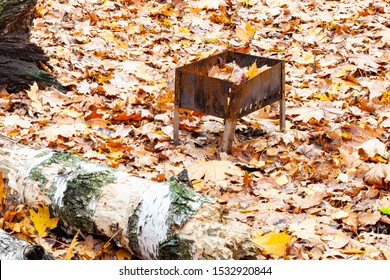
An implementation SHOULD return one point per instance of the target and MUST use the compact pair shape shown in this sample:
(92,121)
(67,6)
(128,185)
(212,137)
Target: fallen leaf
(34,96)
(72,246)
(272,243)
(41,223)
(304,229)
(369,218)
(281,180)
(213,171)
(372,148)
(246,33)
(378,175)
(385,210)
(338,215)
(309,200)
(337,241)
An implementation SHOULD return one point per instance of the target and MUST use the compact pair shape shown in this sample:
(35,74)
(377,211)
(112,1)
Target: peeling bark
(152,220)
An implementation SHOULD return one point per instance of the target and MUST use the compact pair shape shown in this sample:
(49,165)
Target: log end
(36,252)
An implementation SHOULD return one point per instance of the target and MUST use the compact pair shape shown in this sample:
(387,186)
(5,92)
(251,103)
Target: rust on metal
(195,90)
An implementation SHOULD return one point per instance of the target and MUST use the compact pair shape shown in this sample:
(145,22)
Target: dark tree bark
(21,61)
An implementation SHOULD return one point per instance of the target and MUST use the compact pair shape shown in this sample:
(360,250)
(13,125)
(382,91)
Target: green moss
(184,204)
(66,158)
(36,174)
(82,192)
(175,249)
(82,187)
(131,232)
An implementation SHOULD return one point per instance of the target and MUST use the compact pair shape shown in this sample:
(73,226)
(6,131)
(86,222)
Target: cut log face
(153,220)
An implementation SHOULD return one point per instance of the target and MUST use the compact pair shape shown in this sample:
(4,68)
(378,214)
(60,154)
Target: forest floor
(324,183)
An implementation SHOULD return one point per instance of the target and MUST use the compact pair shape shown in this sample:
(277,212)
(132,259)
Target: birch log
(152,220)
(13,248)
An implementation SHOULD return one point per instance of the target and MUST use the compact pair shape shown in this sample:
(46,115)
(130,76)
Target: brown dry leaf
(282,180)
(369,218)
(305,229)
(340,214)
(123,255)
(378,175)
(34,96)
(372,148)
(309,200)
(336,241)
(120,59)
(213,171)
(89,248)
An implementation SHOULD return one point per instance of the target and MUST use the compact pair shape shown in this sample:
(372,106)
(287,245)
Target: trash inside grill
(196,90)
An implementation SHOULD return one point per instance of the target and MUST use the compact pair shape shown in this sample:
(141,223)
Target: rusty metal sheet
(196,91)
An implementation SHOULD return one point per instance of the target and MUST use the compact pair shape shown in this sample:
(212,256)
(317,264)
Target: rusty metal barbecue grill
(195,90)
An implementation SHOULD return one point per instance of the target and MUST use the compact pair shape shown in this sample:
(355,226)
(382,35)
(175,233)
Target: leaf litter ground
(313,192)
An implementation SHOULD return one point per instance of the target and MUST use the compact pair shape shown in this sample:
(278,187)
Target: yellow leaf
(211,39)
(304,85)
(282,180)
(116,155)
(72,245)
(324,97)
(251,29)
(245,33)
(386,96)
(13,133)
(41,223)
(253,71)
(248,2)
(245,211)
(346,136)
(184,30)
(167,22)
(109,36)
(272,243)
(72,113)
(352,251)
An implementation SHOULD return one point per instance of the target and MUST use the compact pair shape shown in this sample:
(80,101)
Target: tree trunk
(21,61)
(13,248)
(152,220)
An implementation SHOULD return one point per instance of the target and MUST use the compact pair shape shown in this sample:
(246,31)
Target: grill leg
(176,122)
(282,111)
(228,135)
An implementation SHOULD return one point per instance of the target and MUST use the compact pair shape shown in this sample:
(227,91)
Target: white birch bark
(152,220)
(13,248)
